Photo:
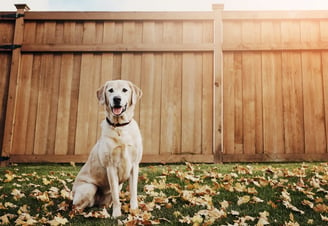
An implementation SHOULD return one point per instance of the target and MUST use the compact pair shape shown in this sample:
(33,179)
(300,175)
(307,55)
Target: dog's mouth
(118,110)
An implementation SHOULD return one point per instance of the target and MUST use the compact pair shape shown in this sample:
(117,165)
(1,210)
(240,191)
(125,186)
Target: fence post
(218,82)
(13,80)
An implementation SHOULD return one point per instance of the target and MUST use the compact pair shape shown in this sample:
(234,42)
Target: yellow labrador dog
(116,156)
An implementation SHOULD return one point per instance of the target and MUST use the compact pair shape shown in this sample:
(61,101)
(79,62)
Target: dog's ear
(136,93)
(101,94)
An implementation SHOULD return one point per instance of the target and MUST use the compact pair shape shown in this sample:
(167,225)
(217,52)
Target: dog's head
(119,98)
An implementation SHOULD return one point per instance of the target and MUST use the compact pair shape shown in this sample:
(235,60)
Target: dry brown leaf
(244,199)
(17,194)
(58,220)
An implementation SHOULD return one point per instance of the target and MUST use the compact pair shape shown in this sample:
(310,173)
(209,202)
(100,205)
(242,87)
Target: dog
(116,156)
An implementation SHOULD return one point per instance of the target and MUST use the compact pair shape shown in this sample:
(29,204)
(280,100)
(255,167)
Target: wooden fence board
(171,105)
(315,142)
(229,100)
(64,101)
(150,106)
(207,104)
(293,102)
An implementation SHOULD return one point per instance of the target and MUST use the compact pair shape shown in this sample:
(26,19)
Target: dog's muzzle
(118,110)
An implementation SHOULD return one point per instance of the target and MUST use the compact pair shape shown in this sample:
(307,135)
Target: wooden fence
(218,86)
(275,86)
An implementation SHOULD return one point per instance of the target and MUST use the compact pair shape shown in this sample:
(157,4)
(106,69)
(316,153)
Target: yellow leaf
(310,221)
(197,219)
(45,181)
(324,218)
(263,219)
(240,188)
(10,205)
(243,200)
(43,197)
(224,204)
(17,194)
(252,191)
(23,209)
(4,220)
(58,220)
(9,176)
(257,199)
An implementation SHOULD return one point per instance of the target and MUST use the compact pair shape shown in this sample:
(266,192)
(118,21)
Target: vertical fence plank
(252,103)
(191,140)
(4,86)
(324,58)
(325,88)
(207,104)
(43,110)
(150,105)
(292,90)
(64,101)
(191,103)
(229,102)
(171,104)
(23,104)
(314,125)
(272,90)
(251,90)
(315,142)
(32,113)
(86,105)
(272,103)
(77,60)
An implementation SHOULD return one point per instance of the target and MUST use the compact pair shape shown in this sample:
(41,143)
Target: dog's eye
(124,90)
(111,90)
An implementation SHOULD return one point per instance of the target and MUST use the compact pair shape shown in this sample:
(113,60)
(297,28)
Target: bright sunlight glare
(163,5)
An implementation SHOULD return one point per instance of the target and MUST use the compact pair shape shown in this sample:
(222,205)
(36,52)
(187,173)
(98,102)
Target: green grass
(194,194)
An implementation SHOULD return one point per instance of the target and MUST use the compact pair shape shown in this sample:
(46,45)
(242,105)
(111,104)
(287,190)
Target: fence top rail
(119,16)
(274,15)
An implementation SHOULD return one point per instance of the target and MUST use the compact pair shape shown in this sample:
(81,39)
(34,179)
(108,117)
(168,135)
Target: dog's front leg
(115,190)
(133,182)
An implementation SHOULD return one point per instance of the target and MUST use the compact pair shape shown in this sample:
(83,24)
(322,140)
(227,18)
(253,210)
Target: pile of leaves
(188,194)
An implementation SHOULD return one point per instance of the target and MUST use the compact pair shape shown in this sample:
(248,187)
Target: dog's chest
(121,153)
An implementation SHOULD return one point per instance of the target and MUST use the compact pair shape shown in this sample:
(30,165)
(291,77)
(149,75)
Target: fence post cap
(218,6)
(22,6)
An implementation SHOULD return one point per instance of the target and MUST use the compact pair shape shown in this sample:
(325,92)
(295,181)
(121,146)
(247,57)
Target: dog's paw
(116,212)
(133,204)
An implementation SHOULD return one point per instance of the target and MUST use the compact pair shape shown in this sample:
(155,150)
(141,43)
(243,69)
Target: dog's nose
(117,100)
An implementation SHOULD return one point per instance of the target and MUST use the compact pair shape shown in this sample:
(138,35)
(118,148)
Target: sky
(163,5)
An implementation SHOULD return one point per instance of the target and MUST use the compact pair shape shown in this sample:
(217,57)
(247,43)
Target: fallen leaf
(10,205)
(324,218)
(244,199)
(9,176)
(4,220)
(17,194)
(263,219)
(58,220)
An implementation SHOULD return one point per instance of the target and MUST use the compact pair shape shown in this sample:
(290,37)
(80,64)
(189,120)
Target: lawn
(185,194)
